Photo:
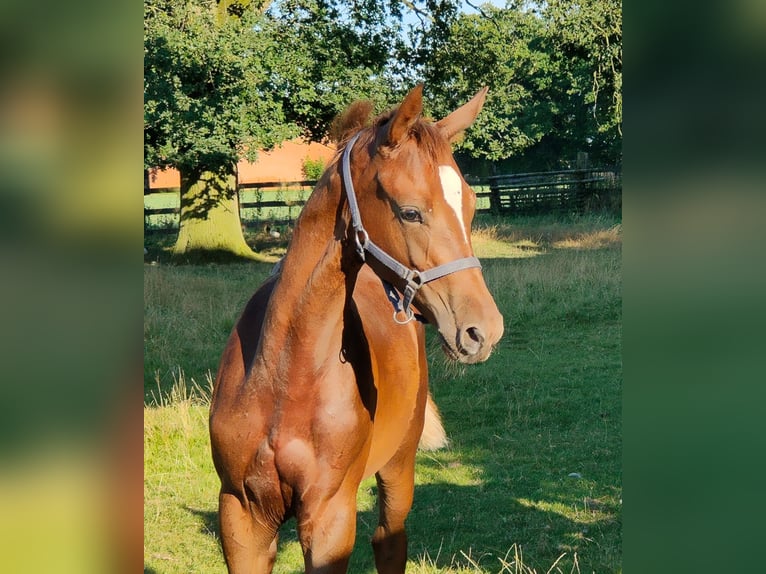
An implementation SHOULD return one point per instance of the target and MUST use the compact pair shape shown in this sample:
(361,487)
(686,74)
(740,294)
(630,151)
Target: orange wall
(283,163)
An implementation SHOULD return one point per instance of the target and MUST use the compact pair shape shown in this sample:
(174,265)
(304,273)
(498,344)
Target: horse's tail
(434,437)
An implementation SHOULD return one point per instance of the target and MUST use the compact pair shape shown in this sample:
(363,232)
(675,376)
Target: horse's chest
(395,416)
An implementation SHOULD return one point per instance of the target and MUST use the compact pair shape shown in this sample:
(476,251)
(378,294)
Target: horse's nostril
(475,334)
(471,341)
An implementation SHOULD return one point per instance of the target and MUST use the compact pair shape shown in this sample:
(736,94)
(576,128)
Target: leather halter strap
(413,278)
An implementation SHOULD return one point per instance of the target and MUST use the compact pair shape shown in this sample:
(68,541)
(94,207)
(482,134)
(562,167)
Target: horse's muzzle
(474,343)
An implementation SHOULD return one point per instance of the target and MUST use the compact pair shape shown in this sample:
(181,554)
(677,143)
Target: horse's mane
(358,115)
(351,120)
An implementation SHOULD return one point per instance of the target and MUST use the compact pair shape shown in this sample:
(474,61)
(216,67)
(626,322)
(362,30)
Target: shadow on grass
(205,256)
(484,521)
(453,525)
(268,249)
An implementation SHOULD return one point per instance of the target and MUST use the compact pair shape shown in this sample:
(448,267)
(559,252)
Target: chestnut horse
(324,379)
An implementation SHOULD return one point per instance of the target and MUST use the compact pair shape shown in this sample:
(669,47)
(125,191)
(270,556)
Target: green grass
(501,499)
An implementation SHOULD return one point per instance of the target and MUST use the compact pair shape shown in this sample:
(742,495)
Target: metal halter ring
(409,314)
(415,279)
(361,245)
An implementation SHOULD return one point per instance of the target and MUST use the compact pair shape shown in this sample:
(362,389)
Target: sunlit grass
(180,484)
(494,237)
(488,243)
(592,240)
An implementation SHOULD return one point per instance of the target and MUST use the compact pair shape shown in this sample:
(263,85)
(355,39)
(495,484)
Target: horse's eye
(411,215)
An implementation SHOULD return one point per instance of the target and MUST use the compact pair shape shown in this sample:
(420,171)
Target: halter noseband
(413,278)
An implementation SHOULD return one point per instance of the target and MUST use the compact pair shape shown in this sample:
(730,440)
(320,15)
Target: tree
(554,71)
(224,79)
(586,43)
(501,49)
(207,103)
(338,51)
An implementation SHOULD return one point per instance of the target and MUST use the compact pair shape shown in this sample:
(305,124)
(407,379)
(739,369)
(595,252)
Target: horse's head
(416,208)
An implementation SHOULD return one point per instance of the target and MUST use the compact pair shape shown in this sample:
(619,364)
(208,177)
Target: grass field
(532,479)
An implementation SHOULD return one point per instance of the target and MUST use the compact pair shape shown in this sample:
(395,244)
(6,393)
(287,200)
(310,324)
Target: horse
(324,379)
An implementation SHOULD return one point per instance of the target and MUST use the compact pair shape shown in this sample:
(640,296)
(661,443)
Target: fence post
(582,165)
(494,197)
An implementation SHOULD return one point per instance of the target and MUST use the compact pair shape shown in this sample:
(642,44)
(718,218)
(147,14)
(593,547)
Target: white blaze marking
(452,186)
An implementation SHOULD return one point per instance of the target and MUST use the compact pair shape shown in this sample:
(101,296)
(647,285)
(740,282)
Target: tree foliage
(586,41)
(208,96)
(330,53)
(502,50)
(224,78)
(555,76)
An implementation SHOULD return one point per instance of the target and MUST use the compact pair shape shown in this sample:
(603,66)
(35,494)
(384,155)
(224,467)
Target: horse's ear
(464,116)
(407,114)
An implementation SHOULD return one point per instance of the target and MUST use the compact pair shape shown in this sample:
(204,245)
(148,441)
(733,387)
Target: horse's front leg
(327,529)
(396,486)
(249,542)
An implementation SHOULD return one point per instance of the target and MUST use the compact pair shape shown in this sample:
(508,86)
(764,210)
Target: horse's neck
(305,314)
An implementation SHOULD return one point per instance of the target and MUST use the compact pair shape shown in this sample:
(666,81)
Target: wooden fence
(277,210)
(284,210)
(569,191)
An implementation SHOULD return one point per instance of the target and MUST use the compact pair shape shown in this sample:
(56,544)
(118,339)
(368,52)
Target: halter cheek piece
(413,279)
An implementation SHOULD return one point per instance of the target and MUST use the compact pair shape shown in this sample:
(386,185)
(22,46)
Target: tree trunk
(210,214)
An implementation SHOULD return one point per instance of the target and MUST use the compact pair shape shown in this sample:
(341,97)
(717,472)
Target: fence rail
(510,194)
(283,208)
(554,191)
(278,184)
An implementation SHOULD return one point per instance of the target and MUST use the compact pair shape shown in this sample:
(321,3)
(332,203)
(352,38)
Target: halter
(413,278)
